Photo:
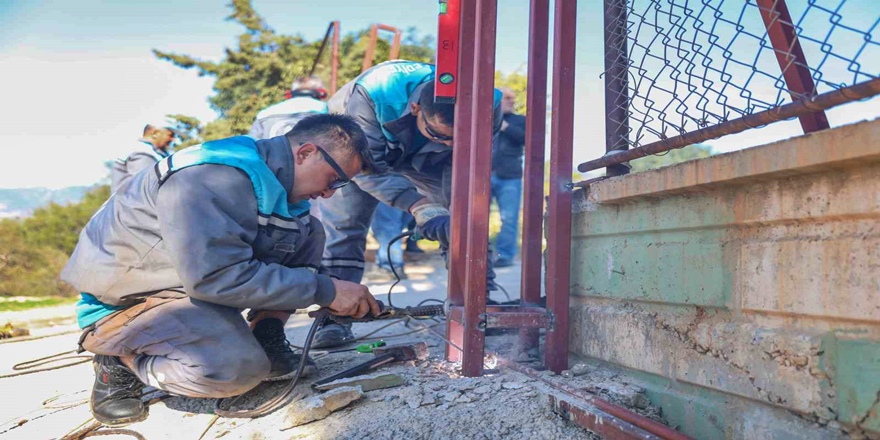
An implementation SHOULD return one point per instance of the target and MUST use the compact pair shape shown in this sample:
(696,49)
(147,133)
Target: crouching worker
(169,263)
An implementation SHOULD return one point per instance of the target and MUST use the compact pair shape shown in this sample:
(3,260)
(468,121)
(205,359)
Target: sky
(79,80)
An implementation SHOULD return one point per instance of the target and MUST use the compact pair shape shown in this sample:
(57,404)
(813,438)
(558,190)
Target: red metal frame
(447,51)
(334,66)
(461,174)
(792,61)
(559,204)
(598,415)
(469,316)
(533,175)
(507,317)
(477,239)
(370,53)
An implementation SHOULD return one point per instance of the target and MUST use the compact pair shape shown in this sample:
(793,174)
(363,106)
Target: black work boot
(332,335)
(270,334)
(116,396)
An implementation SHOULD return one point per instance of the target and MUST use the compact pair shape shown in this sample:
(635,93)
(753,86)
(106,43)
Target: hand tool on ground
(384,355)
(363,348)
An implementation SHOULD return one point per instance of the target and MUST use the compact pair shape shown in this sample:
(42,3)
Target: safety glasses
(343,179)
(432,133)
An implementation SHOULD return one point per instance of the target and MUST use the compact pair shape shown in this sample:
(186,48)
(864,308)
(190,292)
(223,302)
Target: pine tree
(257,72)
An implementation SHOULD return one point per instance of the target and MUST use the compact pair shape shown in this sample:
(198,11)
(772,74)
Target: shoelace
(275,342)
(128,384)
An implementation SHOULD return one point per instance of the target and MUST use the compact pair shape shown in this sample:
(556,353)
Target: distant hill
(21,202)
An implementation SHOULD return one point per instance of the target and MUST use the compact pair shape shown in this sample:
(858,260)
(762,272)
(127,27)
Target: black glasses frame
(343,179)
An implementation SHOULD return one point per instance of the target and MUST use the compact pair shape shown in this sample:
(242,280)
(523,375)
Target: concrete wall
(742,290)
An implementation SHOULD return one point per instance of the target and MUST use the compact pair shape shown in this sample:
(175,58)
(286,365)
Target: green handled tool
(363,348)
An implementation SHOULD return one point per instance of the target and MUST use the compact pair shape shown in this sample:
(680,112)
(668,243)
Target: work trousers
(348,213)
(191,347)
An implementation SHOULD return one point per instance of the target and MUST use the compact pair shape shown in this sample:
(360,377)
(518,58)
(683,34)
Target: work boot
(270,334)
(332,335)
(116,396)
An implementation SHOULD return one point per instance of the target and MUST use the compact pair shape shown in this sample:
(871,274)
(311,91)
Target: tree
(257,72)
(696,151)
(58,226)
(34,250)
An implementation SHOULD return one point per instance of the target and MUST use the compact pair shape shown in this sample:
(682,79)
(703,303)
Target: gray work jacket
(199,230)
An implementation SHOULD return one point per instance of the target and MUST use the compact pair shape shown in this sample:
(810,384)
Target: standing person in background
(507,174)
(152,147)
(306,97)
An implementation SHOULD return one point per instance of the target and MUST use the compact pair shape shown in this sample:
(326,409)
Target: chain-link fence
(678,66)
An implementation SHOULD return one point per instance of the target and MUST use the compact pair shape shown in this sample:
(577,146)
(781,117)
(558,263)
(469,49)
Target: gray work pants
(347,216)
(190,347)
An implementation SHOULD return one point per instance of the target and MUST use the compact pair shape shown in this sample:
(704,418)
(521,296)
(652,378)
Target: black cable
(430,299)
(504,290)
(391,263)
(280,400)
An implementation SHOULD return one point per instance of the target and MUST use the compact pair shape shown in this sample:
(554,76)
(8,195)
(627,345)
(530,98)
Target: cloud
(62,117)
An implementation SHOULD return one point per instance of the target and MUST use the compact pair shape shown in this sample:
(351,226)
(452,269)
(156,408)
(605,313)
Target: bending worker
(410,139)
(306,97)
(151,148)
(170,261)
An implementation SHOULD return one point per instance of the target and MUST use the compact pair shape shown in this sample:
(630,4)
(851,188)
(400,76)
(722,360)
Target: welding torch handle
(359,369)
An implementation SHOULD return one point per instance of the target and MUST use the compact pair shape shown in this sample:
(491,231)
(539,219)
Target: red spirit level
(447,52)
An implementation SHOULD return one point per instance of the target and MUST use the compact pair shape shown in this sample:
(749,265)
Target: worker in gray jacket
(410,138)
(167,265)
(151,147)
(305,97)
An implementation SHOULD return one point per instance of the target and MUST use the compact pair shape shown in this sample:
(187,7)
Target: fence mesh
(690,64)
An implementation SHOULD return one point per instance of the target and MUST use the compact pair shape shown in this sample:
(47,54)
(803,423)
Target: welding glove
(436,229)
(432,223)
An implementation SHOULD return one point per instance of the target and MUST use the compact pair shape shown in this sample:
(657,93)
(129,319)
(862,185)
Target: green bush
(34,250)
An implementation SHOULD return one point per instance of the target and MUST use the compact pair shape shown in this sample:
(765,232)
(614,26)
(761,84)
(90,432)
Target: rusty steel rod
(821,102)
(461,172)
(370,51)
(559,205)
(477,252)
(533,174)
(334,63)
(620,412)
(791,58)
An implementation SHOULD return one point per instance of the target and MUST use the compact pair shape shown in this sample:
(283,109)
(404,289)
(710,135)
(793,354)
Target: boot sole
(118,423)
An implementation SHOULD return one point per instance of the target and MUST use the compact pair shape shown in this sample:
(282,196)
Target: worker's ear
(305,150)
(415,108)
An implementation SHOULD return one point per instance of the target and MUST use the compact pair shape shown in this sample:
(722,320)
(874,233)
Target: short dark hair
(333,132)
(444,111)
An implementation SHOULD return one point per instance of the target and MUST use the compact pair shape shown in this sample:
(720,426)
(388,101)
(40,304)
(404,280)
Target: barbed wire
(691,64)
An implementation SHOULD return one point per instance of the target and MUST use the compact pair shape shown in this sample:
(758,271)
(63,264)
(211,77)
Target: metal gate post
(461,172)
(559,206)
(792,62)
(482,120)
(533,175)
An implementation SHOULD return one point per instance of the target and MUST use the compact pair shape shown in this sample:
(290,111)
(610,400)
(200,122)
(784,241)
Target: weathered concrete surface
(753,275)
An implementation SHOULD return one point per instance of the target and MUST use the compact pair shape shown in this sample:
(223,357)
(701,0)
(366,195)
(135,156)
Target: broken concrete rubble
(320,406)
(367,382)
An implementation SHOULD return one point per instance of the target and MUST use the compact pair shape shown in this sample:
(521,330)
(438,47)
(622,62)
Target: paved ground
(433,403)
